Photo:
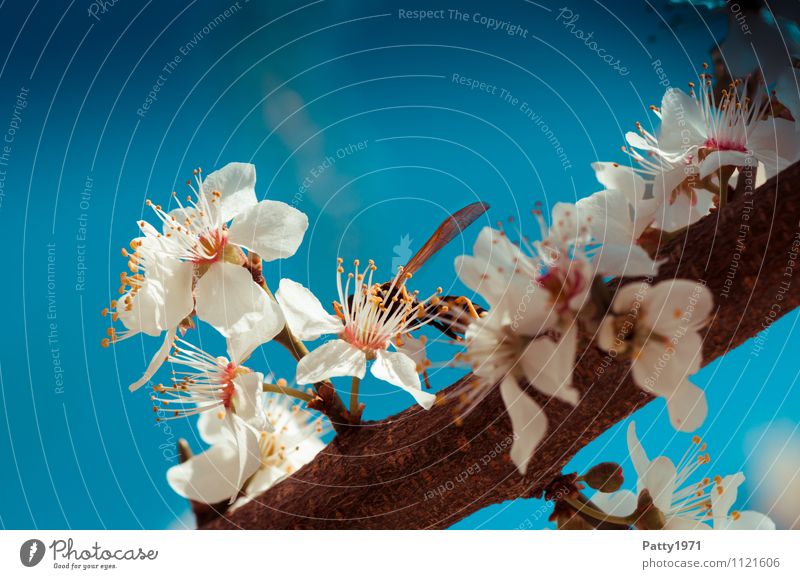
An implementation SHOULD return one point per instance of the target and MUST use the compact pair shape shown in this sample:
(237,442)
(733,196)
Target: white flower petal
(716,159)
(264,479)
(675,304)
(776,143)
(155,363)
(659,480)
(684,524)
(227,298)
(494,258)
(622,261)
(609,215)
(305,452)
(679,211)
(248,449)
(528,421)
(723,497)
(398,369)
(162,301)
(248,400)
(528,307)
(548,365)
(621,178)
(330,360)
(748,521)
(212,430)
(683,125)
(235,183)
(144,313)
(662,366)
(687,407)
(176,281)
(619,504)
(272,229)
(629,297)
(209,477)
(638,456)
(304,313)
(415,349)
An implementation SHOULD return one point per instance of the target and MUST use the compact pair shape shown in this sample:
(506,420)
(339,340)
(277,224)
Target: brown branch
(422,470)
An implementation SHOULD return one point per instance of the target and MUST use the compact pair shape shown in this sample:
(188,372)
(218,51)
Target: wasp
(447,313)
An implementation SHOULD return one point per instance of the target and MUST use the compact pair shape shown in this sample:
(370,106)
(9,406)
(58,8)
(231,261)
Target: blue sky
(105,111)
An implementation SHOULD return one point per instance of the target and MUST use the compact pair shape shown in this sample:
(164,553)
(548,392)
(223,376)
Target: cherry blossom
(365,325)
(293,440)
(686,506)
(196,264)
(230,396)
(529,336)
(656,327)
(680,168)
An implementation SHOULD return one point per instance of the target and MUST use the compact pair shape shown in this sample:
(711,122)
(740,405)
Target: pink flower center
(368,340)
(229,389)
(212,246)
(563,286)
(723,145)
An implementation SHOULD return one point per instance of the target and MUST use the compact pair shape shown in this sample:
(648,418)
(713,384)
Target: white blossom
(366,325)
(229,395)
(686,505)
(195,264)
(529,336)
(656,327)
(293,440)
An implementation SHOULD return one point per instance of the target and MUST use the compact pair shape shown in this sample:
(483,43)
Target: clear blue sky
(77,449)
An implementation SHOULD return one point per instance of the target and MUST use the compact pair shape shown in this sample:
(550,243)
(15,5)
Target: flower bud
(605,477)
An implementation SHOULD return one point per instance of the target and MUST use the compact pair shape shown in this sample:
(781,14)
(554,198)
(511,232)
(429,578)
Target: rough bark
(422,469)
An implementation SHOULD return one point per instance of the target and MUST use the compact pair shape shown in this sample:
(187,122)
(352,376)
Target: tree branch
(421,469)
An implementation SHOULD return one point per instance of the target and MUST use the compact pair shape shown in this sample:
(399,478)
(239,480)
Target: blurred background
(377,125)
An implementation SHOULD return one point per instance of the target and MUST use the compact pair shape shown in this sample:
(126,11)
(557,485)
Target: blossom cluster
(203,262)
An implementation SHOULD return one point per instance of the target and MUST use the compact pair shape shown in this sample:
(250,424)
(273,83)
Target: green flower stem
(354,410)
(598,515)
(293,392)
(331,403)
